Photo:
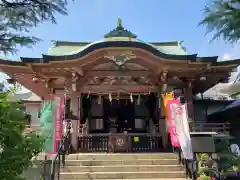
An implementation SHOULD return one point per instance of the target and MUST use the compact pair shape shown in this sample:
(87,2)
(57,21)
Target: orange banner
(166,98)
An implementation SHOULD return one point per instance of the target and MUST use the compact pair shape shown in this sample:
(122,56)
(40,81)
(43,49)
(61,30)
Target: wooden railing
(211,127)
(132,143)
(195,127)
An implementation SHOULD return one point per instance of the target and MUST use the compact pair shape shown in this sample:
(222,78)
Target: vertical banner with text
(47,124)
(182,129)
(172,128)
(58,121)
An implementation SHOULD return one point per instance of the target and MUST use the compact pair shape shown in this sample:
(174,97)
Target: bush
(17,146)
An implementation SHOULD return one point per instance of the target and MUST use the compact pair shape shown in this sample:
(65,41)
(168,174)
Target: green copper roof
(61,48)
(173,48)
(120,31)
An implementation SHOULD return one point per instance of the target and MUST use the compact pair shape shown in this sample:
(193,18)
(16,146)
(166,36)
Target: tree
(18,17)
(223,18)
(17,147)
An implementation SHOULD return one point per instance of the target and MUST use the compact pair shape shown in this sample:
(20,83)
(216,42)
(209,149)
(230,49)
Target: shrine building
(117,86)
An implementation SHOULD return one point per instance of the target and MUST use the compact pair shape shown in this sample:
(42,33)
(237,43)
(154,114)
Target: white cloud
(234,53)
(226,57)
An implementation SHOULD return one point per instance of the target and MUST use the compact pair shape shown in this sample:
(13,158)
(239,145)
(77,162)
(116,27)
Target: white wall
(34,111)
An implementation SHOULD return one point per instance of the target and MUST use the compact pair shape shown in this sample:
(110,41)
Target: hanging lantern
(88,95)
(139,100)
(46,84)
(74,87)
(118,96)
(73,74)
(131,98)
(99,99)
(110,97)
(35,79)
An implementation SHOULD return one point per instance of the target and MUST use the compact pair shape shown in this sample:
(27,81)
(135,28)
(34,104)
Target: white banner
(180,119)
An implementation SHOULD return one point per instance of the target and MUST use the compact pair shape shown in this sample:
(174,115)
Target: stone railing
(223,128)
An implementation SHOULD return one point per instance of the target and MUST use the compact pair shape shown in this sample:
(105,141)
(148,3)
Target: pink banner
(172,128)
(58,121)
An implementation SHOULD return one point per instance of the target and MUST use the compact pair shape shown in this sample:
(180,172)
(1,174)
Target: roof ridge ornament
(120,32)
(119,22)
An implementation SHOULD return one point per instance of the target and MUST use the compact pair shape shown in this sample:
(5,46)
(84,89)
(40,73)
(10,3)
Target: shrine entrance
(120,115)
(132,114)
(116,87)
(121,124)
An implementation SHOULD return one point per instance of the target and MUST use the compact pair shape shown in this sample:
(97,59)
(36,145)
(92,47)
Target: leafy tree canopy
(223,18)
(18,17)
(17,147)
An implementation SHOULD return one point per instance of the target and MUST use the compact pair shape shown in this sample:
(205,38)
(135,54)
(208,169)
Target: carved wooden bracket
(164,76)
(120,57)
(79,71)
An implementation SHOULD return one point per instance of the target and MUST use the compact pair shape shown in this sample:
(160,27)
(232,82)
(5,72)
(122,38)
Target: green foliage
(18,17)
(17,147)
(223,18)
(227,160)
(206,166)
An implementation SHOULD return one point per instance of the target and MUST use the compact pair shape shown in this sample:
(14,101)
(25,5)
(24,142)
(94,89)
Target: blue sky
(152,20)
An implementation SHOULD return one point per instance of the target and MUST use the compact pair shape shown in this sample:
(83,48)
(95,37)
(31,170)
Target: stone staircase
(122,166)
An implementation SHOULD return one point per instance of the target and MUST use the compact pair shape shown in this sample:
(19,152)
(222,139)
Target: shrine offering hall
(116,89)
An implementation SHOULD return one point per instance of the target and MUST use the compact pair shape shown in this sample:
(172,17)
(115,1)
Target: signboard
(120,143)
(172,125)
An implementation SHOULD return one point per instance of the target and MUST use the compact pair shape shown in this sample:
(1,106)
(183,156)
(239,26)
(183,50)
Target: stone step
(121,162)
(148,179)
(123,168)
(120,156)
(121,175)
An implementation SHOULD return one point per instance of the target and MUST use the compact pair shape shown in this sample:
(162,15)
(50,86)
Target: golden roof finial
(119,22)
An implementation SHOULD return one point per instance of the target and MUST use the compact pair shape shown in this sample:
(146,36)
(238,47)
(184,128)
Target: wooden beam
(108,88)
(16,69)
(27,81)
(119,73)
(69,82)
(145,64)
(83,61)
(91,64)
(119,88)
(119,85)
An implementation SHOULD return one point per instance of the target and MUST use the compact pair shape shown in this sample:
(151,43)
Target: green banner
(47,125)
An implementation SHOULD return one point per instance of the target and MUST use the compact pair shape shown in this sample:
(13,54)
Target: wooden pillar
(188,98)
(74,108)
(162,122)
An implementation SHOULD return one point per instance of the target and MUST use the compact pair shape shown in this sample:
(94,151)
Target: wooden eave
(118,45)
(25,71)
(72,43)
(100,53)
